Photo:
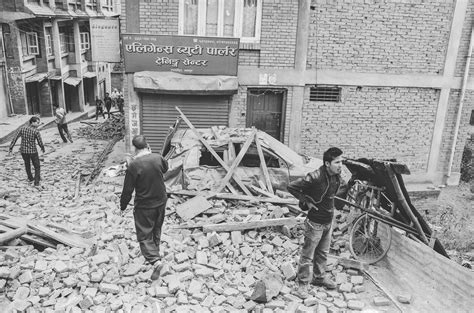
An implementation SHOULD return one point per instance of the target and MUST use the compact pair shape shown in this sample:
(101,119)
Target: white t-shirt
(60,116)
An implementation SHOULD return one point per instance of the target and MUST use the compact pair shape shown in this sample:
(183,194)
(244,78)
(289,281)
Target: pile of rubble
(110,128)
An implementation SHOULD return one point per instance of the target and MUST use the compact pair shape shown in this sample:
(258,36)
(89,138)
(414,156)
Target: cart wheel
(369,239)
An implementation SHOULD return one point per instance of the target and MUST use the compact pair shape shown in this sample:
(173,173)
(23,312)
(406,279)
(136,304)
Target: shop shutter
(159,113)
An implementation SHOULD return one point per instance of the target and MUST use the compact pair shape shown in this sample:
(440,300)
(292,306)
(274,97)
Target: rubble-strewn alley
(98,267)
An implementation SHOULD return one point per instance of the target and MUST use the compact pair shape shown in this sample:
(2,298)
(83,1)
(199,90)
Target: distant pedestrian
(61,121)
(99,108)
(30,135)
(145,175)
(120,102)
(108,103)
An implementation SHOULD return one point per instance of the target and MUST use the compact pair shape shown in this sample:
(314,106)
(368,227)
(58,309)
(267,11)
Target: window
(30,44)
(85,42)
(108,4)
(49,42)
(325,94)
(222,18)
(63,42)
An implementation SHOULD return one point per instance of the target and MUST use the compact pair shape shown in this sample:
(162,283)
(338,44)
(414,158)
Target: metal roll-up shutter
(159,113)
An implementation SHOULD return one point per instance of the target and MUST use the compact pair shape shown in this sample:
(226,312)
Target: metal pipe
(461,103)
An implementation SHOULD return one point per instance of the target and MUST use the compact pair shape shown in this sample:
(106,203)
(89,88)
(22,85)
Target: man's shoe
(156,272)
(301,292)
(324,282)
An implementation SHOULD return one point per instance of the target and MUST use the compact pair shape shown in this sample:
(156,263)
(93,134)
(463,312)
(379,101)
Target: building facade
(48,55)
(380,79)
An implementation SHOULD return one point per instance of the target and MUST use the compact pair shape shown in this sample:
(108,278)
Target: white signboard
(105,40)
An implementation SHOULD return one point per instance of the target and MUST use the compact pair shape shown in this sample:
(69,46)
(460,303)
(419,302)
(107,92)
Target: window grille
(85,42)
(325,94)
(32,43)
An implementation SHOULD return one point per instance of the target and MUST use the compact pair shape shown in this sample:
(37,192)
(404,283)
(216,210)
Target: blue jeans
(313,257)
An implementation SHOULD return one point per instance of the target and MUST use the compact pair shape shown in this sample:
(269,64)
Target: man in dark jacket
(108,103)
(316,194)
(145,175)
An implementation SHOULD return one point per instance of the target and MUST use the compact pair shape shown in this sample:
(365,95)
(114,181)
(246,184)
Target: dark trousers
(64,130)
(33,158)
(148,223)
(99,110)
(108,107)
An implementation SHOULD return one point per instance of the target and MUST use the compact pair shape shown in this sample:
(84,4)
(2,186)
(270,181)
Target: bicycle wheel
(369,239)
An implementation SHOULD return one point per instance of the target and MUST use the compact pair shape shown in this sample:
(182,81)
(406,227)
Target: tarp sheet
(169,82)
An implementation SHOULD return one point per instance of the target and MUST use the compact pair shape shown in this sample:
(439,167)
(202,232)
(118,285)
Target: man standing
(145,175)
(120,102)
(99,108)
(316,194)
(29,136)
(108,103)
(60,114)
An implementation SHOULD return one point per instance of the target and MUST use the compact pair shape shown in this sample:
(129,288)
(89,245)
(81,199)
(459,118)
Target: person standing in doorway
(99,108)
(144,175)
(60,115)
(316,194)
(120,102)
(108,103)
(30,135)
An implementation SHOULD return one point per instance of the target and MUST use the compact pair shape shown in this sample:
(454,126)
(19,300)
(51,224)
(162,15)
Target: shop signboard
(105,40)
(181,54)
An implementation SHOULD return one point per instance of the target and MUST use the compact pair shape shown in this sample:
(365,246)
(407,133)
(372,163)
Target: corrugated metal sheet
(159,113)
(436,283)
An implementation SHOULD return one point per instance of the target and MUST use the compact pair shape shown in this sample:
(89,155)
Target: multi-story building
(48,55)
(380,79)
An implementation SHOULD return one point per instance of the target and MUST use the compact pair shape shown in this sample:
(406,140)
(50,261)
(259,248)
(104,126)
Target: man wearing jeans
(29,136)
(145,175)
(316,194)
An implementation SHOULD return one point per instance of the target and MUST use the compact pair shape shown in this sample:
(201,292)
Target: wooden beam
(212,151)
(227,227)
(12,234)
(228,196)
(263,164)
(237,160)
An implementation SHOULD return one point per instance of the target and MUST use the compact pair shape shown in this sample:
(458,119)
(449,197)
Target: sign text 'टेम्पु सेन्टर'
(181,54)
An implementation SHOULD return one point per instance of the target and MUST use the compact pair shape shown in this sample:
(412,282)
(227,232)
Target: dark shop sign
(181,54)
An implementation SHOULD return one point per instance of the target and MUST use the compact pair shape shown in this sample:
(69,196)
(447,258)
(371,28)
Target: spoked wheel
(369,239)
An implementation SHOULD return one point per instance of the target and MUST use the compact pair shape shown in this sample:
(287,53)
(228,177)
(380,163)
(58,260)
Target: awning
(89,75)
(73,81)
(39,10)
(6,16)
(57,77)
(169,82)
(36,77)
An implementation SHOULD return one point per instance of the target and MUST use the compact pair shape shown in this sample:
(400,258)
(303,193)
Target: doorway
(265,110)
(32,98)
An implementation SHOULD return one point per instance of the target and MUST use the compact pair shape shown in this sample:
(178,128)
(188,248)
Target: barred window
(325,94)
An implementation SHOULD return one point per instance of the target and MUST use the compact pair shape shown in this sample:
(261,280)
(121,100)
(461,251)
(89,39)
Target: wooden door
(265,111)
(32,98)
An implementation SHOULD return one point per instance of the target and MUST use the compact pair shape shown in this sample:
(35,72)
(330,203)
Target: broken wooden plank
(213,152)
(228,196)
(12,234)
(78,186)
(237,160)
(263,164)
(67,239)
(32,238)
(290,221)
(193,207)
(261,191)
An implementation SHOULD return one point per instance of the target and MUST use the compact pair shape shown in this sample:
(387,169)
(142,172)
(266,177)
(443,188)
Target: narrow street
(204,272)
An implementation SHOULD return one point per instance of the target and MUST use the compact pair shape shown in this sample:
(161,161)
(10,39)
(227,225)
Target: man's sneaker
(301,291)
(324,282)
(156,272)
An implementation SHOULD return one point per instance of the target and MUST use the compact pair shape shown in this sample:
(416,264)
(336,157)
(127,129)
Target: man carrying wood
(61,122)
(145,175)
(316,194)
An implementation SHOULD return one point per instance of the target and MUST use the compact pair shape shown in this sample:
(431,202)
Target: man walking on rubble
(316,194)
(60,115)
(145,175)
(29,136)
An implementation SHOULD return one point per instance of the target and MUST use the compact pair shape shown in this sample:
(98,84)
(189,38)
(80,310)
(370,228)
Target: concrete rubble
(219,271)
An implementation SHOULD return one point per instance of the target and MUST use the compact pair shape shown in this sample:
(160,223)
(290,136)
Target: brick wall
(373,122)
(448,133)
(249,58)
(159,17)
(384,36)
(464,44)
(238,108)
(278,35)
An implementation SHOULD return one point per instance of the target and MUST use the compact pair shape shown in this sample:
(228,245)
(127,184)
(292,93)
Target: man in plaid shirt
(29,135)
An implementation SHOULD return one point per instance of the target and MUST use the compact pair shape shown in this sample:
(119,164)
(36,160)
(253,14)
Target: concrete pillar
(15,78)
(78,66)
(301,56)
(57,63)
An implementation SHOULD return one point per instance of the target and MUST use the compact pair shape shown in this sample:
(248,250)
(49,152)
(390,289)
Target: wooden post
(12,234)
(213,152)
(237,160)
(263,164)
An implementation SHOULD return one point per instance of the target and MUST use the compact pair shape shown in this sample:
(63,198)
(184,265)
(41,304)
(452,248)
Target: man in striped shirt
(29,136)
